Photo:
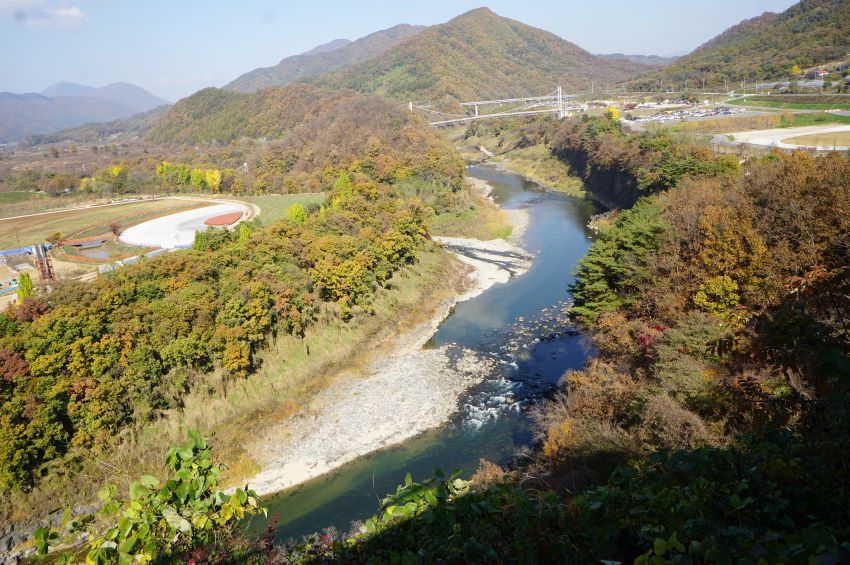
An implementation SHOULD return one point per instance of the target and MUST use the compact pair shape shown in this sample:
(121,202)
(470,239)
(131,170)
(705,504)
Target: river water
(521,325)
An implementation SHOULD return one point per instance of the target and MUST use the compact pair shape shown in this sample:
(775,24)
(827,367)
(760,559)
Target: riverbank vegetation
(618,168)
(95,376)
(521,145)
(711,425)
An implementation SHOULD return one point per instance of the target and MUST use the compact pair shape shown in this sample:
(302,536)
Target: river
(521,325)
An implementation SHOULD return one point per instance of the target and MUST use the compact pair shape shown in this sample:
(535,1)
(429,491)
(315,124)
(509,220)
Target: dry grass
(667,424)
(839,138)
(487,474)
(483,220)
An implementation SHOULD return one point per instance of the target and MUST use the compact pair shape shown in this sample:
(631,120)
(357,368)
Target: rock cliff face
(609,188)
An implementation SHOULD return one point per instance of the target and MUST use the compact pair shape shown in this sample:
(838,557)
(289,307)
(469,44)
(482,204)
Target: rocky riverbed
(404,388)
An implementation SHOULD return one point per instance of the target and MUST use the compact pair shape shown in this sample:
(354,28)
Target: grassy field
(774,120)
(16,197)
(38,203)
(814,119)
(485,222)
(273,206)
(830,104)
(840,138)
(15,232)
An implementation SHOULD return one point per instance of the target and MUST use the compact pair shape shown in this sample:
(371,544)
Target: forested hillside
(312,63)
(312,130)
(479,55)
(810,33)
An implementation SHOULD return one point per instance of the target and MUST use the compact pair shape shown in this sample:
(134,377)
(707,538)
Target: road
(774,137)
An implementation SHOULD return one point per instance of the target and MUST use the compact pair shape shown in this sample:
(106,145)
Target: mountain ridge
(32,113)
(326,59)
(331,45)
(479,54)
(131,95)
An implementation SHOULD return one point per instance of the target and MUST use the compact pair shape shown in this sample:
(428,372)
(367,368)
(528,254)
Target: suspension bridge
(556,102)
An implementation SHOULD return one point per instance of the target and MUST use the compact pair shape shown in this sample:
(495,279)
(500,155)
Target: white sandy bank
(404,390)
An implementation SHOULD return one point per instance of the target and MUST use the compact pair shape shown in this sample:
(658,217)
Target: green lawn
(15,197)
(274,206)
(778,104)
(36,229)
(814,119)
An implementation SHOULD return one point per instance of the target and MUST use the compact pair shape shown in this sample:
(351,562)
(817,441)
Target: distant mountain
(648,60)
(25,114)
(64,88)
(130,95)
(332,56)
(67,105)
(137,125)
(328,47)
(808,34)
(479,55)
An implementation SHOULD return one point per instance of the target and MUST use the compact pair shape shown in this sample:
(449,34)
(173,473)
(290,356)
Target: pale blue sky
(174,48)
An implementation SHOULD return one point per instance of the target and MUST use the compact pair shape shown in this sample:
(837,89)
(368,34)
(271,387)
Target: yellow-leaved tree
(213,179)
(612,113)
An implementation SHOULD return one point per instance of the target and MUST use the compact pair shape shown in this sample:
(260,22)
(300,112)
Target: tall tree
(24,287)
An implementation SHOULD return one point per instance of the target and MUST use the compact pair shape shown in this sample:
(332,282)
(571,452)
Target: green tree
(24,287)
(244,232)
(198,179)
(297,213)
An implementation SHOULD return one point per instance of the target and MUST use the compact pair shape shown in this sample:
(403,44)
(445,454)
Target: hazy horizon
(173,50)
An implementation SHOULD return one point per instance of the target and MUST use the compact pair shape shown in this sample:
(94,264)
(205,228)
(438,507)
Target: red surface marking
(224,219)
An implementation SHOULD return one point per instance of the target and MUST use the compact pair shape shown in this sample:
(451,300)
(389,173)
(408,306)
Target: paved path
(176,230)
(774,137)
